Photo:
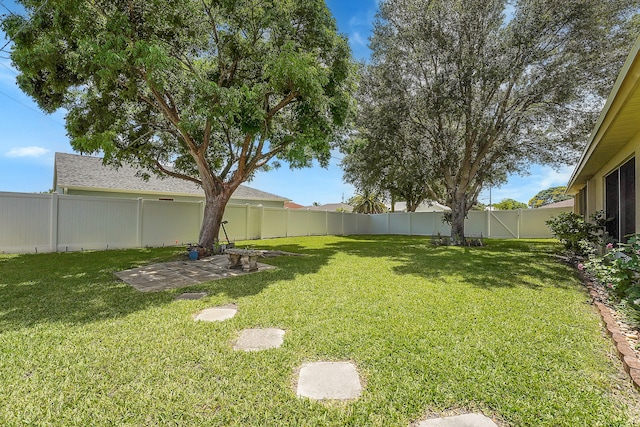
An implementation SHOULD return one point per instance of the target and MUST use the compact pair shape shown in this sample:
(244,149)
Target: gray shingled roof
(331,207)
(561,204)
(87,172)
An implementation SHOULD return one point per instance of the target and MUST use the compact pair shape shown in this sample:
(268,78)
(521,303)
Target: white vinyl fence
(514,224)
(52,222)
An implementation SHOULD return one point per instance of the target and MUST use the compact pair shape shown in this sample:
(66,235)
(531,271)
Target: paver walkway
(466,420)
(178,274)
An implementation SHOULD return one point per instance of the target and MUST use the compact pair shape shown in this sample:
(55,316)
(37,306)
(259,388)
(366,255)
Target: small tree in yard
(479,89)
(207,91)
(367,203)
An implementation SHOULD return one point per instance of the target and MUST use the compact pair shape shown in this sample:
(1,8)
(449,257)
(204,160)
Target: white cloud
(357,39)
(523,188)
(31,151)
(548,177)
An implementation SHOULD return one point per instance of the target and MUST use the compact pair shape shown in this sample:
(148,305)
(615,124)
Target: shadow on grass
(288,267)
(73,287)
(498,264)
(80,287)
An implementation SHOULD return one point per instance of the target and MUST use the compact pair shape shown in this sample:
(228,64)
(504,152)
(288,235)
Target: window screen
(620,201)
(613,204)
(628,199)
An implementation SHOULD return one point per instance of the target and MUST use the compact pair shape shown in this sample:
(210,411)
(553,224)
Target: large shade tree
(482,88)
(209,91)
(385,154)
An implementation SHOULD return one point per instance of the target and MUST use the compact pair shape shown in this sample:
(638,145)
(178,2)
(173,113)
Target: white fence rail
(52,222)
(515,224)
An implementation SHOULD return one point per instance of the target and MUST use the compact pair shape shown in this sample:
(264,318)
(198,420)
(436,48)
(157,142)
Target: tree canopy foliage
(384,155)
(548,196)
(204,90)
(469,91)
(510,204)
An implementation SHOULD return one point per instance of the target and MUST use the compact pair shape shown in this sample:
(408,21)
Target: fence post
(518,223)
(201,216)
(139,212)
(488,211)
(308,222)
(388,223)
(261,221)
(410,224)
(357,225)
(53,225)
(326,223)
(247,223)
(342,223)
(287,222)
(433,224)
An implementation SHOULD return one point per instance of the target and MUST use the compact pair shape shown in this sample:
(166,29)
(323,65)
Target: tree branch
(176,174)
(283,103)
(206,137)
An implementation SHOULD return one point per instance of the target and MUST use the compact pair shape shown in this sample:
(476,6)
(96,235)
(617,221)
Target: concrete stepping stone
(191,295)
(259,339)
(216,314)
(466,420)
(329,380)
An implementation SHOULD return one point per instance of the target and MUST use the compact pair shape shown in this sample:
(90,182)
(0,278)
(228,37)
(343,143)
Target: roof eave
(158,193)
(117,190)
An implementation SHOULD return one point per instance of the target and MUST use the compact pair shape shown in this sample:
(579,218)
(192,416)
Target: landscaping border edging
(630,361)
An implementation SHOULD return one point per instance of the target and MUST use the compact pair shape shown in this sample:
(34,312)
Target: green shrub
(571,229)
(619,270)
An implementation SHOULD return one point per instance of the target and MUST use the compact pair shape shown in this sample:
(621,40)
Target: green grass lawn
(504,329)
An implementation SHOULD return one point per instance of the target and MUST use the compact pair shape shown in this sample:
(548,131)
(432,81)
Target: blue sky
(30,138)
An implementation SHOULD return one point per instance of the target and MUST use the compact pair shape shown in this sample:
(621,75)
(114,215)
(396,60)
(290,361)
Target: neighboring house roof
(426,206)
(618,123)
(292,205)
(562,204)
(331,207)
(88,173)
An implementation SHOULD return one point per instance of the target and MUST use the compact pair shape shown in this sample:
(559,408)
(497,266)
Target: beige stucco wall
(177,198)
(596,184)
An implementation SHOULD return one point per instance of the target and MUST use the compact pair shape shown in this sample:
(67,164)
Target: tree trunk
(214,206)
(411,205)
(458,214)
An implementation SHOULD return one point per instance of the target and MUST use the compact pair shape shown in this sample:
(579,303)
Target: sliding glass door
(620,200)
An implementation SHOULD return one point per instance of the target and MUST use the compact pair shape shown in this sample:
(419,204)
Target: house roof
(331,207)
(78,172)
(617,124)
(292,205)
(562,204)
